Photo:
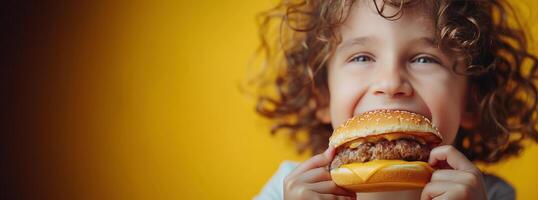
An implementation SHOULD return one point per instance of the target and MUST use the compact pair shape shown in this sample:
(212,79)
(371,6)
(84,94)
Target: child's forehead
(364,17)
(421,10)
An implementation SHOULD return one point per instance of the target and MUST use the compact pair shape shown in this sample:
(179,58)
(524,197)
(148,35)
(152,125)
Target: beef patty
(400,149)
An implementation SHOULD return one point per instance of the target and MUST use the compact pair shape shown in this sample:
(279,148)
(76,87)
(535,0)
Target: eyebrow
(363,41)
(358,41)
(429,41)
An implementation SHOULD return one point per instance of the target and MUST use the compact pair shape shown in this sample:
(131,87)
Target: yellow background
(152,93)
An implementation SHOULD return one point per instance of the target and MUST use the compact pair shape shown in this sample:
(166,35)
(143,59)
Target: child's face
(383,64)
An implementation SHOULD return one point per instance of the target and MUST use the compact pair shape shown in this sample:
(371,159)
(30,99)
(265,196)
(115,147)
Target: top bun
(385,121)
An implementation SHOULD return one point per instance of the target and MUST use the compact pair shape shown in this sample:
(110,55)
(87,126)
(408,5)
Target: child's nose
(392,84)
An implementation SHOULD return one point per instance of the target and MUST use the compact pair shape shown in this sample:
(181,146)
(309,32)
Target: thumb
(329,153)
(320,160)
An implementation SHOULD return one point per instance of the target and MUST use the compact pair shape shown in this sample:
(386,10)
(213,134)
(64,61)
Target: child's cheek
(345,94)
(445,99)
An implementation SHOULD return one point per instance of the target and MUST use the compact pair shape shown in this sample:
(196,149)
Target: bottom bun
(382,175)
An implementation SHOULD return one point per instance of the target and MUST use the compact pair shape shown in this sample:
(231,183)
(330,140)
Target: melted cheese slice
(367,169)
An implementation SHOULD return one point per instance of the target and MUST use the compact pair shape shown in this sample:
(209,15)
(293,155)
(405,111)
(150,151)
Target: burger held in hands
(383,150)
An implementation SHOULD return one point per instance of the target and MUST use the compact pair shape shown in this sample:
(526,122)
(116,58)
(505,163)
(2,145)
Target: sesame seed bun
(379,122)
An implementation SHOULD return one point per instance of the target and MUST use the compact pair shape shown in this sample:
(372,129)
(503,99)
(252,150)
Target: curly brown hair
(297,37)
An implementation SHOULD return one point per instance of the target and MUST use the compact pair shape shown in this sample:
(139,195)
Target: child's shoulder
(288,166)
(273,188)
(497,188)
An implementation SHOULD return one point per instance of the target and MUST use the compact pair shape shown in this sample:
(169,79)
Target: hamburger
(383,150)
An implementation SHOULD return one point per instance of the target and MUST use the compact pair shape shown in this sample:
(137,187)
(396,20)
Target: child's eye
(361,58)
(425,60)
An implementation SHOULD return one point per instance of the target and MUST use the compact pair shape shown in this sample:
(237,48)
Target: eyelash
(354,59)
(365,58)
(427,59)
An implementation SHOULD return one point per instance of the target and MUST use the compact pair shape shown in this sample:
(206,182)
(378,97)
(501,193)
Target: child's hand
(462,180)
(312,180)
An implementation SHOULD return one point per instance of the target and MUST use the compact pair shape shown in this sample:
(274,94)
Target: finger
(444,190)
(315,175)
(453,157)
(320,160)
(335,197)
(329,187)
(432,190)
(442,164)
(457,176)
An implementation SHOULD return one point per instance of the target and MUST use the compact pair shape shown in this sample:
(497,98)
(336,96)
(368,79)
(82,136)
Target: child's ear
(324,115)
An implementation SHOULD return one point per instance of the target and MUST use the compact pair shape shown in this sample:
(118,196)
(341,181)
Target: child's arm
(312,180)
(461,181)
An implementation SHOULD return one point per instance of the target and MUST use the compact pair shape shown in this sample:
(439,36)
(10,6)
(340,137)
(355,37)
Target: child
(460,63)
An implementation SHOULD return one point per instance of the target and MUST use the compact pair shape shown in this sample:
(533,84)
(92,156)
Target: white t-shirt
(496,188)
